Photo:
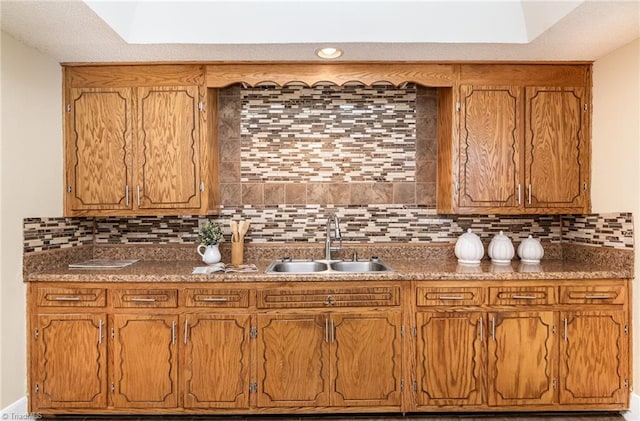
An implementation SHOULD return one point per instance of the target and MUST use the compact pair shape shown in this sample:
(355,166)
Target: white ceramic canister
(501,249)
(469,249)
(530,250)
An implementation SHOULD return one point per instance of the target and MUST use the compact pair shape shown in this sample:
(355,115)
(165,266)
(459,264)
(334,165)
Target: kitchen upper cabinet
(145,361)
(516,148)
(450,355)
(135,142)
(69,361)
(557,154)
(215,361)
(594,353)
(490,148)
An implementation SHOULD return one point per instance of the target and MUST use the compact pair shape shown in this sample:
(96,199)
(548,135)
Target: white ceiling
(289,30)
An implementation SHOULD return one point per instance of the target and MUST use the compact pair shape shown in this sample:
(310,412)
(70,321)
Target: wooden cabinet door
(144,361)
(450,358)
(216,361)
(99,158)
(293,360)
(522,358)
(70,361)
(490,148)
(594,357)
(168,148)
(366,359)
(557,157)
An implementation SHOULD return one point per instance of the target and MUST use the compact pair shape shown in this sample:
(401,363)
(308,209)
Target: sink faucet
(336,235)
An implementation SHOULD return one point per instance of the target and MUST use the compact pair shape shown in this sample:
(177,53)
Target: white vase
(469,249)
(211,253)
(530,250)
(501,249)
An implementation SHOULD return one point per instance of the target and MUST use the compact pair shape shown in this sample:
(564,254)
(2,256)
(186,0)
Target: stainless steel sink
(296,266)
(360,266)
(324,267)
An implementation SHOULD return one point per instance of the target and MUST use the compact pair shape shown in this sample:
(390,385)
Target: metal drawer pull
(67,298)
(100,332)
(186,330)
(215,300)
(524,297)
(333,332)
(450,298)
(326,330)
(480,328)
(493,328)
(173,332)
(566,338)
(597,297)
(143,300)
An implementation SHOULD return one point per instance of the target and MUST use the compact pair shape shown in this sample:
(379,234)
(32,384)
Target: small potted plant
(210,236)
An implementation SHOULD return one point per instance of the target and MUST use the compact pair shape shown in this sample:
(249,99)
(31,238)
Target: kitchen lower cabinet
(450,358)
(522,360)
(215,365)
(69,361)
(594,352)
(145,361)
(329,359)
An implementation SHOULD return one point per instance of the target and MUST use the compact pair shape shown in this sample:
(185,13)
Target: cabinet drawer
(71,297)
(144,298)
(215,298)
(600,294)
(522,295)
(463,296)
(328,297)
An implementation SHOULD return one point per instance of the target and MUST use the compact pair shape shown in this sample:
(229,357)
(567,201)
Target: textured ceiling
(70,31)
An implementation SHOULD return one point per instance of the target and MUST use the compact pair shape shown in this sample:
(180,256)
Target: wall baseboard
(16,410)
(633,414)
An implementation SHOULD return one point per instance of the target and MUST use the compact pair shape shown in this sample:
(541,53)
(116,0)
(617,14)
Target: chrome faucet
(336,235)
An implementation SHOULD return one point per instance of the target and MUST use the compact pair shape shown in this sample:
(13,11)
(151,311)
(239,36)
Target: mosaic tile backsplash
(360,224)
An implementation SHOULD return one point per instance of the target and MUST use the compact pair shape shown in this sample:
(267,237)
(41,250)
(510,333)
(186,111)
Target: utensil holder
(237,252)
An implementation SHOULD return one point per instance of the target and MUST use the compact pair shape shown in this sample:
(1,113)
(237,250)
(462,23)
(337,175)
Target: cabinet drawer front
(522,295)
(329,297)
(71,297)
(216,298)
(463,296)
(600,294)
(145,298)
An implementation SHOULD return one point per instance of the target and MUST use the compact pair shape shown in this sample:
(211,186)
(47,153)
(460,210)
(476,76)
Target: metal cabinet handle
(493,328)
(173,332)
(519,194)
(186,330)
(450,298)
(565,330)
(67,298)
(326,330)
(529,187)
(126,195)
(524,297)
(100,332)
(597,297)
(138,194)
(480,328)
(215,300)
(143,300)
(333,331)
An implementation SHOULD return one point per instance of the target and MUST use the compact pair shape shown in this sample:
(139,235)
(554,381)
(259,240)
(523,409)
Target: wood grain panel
(427,74)
(556,152)
(447,156)
(71,297)
(99,149)
(216,361)
(328,297)
(134,75)
(490,146)
(71,361)
(368,360)
(450,358)
(525,74)
(293,360)
(593,294)
(145,361)
(594,358)
(168,148)
(522,358)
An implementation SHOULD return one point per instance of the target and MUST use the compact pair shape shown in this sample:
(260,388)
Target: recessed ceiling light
(329,52)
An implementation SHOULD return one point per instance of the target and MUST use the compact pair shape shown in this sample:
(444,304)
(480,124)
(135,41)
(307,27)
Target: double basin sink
(323,266)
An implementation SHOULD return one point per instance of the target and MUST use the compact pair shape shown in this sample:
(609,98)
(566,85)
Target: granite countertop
(404,270)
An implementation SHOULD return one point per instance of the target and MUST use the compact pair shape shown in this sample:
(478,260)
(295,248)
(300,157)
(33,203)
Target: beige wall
(30,185)
(616,150)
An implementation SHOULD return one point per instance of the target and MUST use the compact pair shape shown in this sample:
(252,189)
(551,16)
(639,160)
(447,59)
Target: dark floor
(389,417)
